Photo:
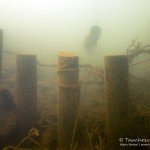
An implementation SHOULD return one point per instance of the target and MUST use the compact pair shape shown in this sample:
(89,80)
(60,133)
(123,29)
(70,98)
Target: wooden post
(1,52)
(117,100)
(141,126)
(68,98)
(7,115)
(26,91)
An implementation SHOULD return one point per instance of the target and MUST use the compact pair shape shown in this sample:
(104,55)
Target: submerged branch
(136,48)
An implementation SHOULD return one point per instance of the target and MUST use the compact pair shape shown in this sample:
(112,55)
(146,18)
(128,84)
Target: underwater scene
(74,75)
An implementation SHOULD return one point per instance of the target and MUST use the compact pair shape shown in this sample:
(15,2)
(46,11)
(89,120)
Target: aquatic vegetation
(32,133)
(137,48)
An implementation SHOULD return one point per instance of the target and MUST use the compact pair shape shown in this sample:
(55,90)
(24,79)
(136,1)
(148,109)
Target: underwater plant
(30,136)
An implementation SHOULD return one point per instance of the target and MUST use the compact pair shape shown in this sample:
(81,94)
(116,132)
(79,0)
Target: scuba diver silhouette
(91,39)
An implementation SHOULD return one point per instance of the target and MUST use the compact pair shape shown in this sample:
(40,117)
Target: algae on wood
(68,97)
(26,91)
(1,51)
(117,99)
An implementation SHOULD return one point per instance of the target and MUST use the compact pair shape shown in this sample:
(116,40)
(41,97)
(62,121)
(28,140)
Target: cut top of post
(67,60)
(115,56)
(68,68)
(116,59)
(26,54)
(66,54)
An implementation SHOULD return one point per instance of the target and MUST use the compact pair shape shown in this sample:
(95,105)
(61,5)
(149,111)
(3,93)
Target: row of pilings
(68,92)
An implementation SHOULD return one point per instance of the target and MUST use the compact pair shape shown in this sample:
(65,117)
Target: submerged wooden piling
(7,115)
(26,91)
(117,100)
(1,51)
(68,98)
